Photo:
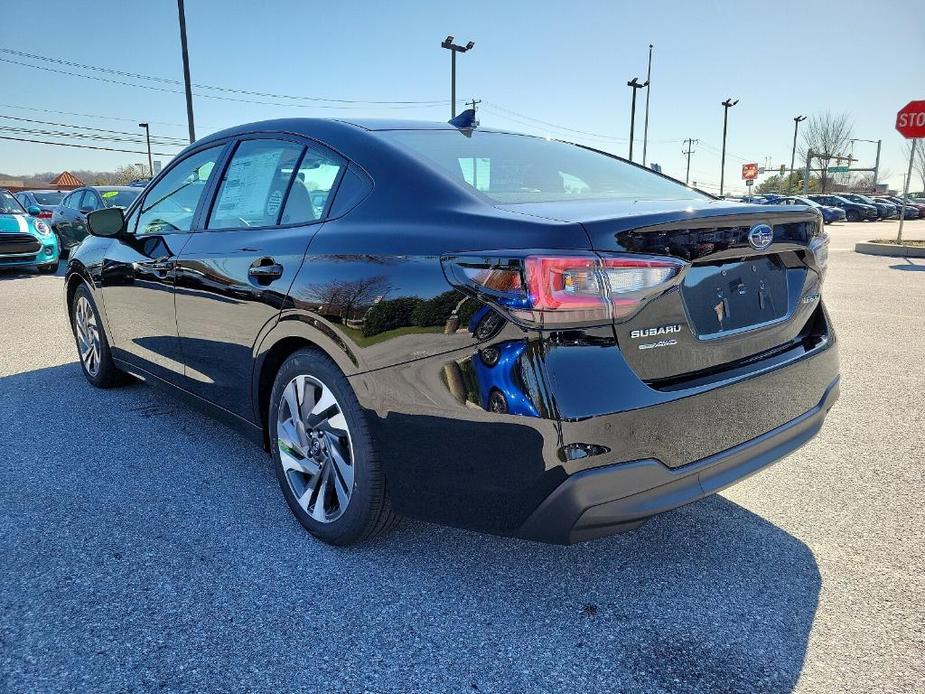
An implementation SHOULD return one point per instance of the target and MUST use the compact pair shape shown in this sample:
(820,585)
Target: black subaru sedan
(491,330)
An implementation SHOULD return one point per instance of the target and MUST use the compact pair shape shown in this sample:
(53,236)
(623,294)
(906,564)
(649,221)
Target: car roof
(106,188)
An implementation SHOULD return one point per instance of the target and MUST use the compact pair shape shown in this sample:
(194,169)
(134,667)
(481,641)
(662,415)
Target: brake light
(45,214)
(557,291)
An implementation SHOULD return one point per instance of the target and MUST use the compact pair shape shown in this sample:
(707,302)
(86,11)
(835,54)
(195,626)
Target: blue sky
(566,63)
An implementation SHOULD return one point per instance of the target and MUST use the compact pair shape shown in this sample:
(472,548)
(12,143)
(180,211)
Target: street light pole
(454,49)
(186,77)
(635,86)
(793,154)
(148,138)
(727,104)
(645,129)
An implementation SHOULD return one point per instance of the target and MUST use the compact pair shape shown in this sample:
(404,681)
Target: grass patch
(361,340)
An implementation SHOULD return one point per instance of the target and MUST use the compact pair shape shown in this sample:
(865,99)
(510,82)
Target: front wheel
(325,460)
(92,343)
(853,216)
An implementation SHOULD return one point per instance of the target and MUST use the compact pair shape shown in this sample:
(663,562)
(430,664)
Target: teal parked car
(25,240)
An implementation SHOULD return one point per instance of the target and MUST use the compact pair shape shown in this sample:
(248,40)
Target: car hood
(16,224)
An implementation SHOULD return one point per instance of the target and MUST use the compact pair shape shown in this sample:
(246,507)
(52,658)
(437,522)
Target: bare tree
(918,166)
(346,299)
(828,136)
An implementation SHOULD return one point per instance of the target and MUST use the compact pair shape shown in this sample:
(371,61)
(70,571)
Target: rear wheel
(92,343)
(325,460)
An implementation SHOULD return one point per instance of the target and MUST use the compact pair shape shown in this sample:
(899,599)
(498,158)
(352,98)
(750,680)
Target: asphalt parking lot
(144,546)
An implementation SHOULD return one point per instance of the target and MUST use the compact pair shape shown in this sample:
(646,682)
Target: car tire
(50,268)
(853,216)
(325,459)
(93,349)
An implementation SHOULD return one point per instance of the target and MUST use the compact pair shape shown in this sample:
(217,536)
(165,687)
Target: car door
(234,275)
(138,270)
(63,219)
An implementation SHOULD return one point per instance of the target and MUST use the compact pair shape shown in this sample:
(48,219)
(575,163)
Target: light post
(454,49)
(793,154)
(645,128)
(148,138)
(635,85)
(727,104)
(879,144)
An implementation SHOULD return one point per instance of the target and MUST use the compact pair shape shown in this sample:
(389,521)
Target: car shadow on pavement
(146,545)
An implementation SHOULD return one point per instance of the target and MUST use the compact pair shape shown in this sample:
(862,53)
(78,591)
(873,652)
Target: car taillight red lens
(565,290)
(45,214)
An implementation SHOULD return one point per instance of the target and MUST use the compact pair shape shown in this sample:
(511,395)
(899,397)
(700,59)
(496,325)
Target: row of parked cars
(38,227)
(852,207)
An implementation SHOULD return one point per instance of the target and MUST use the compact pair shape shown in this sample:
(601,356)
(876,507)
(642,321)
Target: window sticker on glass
(254,184)
(110,194)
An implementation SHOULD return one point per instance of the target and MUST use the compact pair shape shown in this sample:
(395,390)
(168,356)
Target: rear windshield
(119,198)
(51,198)
(520,168)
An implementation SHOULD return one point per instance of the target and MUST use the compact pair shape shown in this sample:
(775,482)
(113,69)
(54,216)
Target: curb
(890,250)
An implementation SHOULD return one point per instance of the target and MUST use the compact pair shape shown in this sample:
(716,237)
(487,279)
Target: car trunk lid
(735,302)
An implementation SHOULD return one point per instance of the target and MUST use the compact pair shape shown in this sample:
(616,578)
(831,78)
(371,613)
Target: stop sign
(910,121)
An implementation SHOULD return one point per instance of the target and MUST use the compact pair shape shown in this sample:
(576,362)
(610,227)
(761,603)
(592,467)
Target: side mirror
(34,210)
(108,222)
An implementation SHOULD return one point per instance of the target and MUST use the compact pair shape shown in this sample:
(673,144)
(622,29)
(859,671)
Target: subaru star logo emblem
(760,236)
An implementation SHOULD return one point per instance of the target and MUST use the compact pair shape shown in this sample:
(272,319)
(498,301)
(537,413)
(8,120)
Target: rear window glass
(518,168)
(52,198)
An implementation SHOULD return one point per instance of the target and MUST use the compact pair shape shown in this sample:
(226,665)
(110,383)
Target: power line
(158,139)
(231,90)
(78,136)
(89,115)
(164,90)
(65,144)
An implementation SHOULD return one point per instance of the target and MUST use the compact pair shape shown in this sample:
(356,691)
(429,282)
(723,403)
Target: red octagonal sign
(910,121)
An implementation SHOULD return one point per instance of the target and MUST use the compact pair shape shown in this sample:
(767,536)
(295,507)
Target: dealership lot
(147,546)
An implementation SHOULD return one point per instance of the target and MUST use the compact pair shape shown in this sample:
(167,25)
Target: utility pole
(690,144)
(148,137)
(186,77)
(902,208)
(727,104)
(454,49)
(793,153)
(645,129)
(635,86)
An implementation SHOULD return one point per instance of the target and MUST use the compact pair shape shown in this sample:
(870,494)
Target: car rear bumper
(603,501)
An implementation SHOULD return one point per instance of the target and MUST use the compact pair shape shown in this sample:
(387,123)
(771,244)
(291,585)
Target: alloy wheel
(315,448)
(88,335)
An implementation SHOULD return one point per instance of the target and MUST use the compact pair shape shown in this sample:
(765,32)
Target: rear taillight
(45,214)
(557,291)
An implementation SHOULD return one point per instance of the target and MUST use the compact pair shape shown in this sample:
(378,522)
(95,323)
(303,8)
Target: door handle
(266,269)
(161,265)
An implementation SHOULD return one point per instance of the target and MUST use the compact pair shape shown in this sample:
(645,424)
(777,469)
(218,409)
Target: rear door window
(255,185)
(311,190)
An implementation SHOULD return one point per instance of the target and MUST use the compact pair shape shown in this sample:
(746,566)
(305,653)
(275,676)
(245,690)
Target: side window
(353,188)
(89,200)
(169,207)
(68,201)
(308,197)
(254,184)
(22,199)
